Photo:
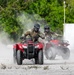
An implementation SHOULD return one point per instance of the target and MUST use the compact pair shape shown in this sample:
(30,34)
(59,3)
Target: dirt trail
(63,69)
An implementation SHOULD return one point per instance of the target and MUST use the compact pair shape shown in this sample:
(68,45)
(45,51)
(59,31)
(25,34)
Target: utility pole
(64,21)
(64,11)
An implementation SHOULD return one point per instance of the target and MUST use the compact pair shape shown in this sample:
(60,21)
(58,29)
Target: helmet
(46,29)
(36,27)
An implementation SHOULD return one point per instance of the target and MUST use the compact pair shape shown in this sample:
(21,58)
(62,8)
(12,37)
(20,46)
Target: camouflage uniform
(49,36)
(34,35)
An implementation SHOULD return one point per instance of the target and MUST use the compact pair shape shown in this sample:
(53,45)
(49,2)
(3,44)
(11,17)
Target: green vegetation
(49,12)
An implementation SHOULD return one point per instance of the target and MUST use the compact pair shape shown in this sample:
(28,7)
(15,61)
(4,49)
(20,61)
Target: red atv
(57,47)
(28,50)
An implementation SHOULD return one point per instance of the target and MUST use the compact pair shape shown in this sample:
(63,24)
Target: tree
(48,12)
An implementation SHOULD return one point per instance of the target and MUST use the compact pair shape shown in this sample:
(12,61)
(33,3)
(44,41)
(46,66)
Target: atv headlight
(37,46)
(24,46)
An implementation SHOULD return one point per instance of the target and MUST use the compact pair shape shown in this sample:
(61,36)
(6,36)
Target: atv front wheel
(19,57)
(14,56)
(40,57)
(50,54)
(66,53)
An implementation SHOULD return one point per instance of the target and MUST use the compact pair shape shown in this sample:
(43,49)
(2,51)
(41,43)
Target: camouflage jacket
(50,35)
(34,35)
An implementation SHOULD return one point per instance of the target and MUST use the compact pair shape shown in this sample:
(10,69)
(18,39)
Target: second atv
(57,47)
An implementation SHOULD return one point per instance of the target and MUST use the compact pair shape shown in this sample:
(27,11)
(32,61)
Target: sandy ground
(62,69)
(52,67)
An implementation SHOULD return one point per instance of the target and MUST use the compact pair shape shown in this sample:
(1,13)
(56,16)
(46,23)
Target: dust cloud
(5,51)
(28,21)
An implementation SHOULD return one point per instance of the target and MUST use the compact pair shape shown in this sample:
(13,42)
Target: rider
(48,33)
(35,33)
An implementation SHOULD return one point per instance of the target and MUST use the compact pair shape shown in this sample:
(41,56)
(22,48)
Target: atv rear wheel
(66,53)
(19,57)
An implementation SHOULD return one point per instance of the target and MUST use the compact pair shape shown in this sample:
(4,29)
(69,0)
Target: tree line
(51,12)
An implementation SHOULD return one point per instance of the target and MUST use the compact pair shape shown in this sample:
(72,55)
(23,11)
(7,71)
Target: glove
(21,37)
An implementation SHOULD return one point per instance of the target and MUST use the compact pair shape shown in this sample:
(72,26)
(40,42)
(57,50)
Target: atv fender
(18,47)
(40,46)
